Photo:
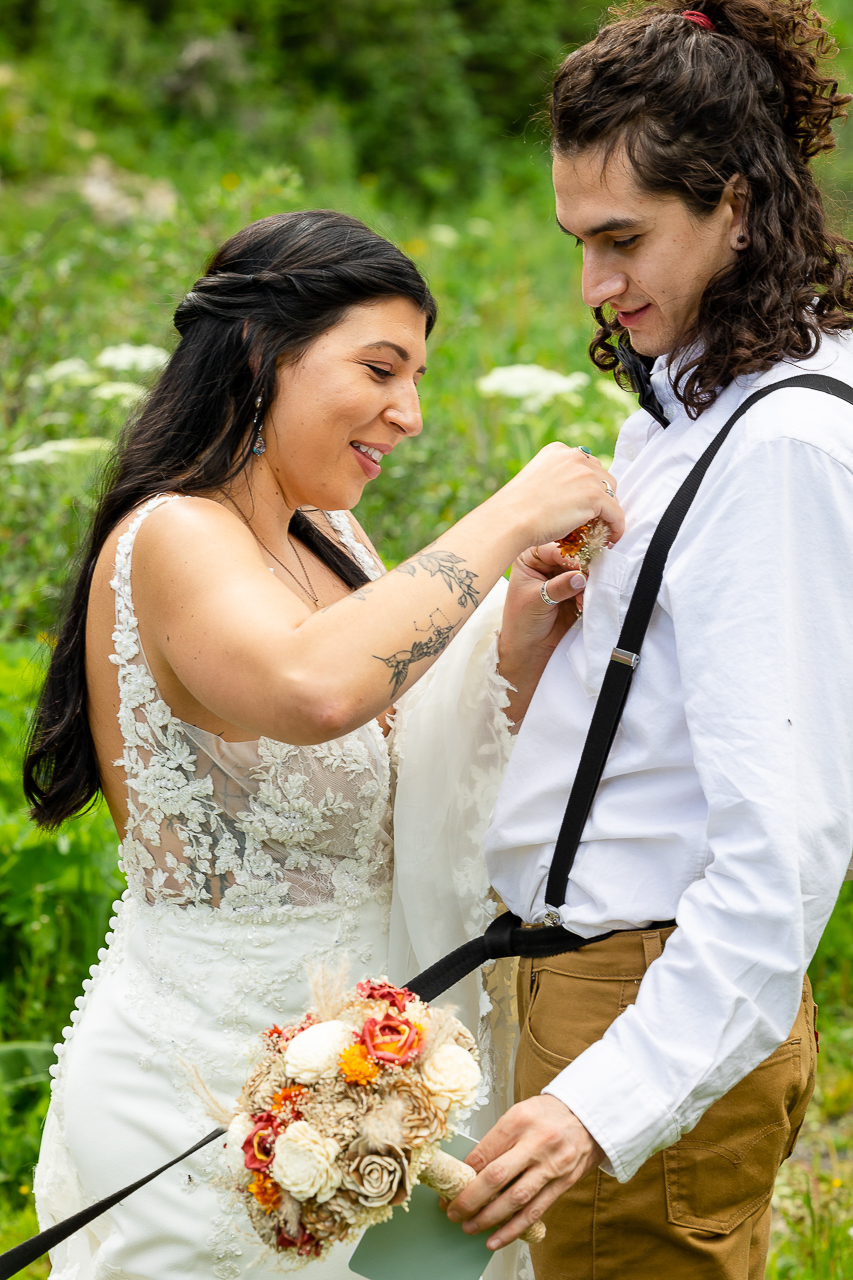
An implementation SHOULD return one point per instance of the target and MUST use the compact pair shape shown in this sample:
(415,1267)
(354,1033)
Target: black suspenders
(505,936)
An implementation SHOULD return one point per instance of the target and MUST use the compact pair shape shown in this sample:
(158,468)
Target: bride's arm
(248,650)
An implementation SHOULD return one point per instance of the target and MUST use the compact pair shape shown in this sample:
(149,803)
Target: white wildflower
(128,358)
(530,383)
(313,1054)
(304,1162)
(73,372)
(52,450)
(127,393)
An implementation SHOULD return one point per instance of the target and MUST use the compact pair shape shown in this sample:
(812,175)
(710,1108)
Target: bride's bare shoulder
(183,522)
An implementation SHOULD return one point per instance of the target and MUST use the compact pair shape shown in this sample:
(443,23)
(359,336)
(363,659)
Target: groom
(663,1073)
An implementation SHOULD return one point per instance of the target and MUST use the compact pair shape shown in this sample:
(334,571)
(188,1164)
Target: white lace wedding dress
(246,864)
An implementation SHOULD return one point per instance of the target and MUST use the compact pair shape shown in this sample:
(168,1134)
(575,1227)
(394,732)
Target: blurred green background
(134,138)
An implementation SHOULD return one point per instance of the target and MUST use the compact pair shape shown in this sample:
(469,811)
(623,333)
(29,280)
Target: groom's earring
(259,446)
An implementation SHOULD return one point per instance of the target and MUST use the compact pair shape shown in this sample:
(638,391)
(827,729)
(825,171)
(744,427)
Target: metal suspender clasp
(552,916)
(625,656)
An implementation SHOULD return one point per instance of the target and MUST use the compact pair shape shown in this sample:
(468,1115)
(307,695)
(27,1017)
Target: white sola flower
(530,383)
(452,1076)
(238,1131)
(313,1054)
(128,358)
(304,1163)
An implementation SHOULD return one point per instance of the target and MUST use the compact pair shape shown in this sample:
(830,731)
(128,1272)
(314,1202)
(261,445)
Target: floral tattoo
(437,639)
(445,564)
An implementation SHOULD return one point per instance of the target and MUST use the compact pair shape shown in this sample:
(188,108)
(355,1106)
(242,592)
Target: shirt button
(630,453)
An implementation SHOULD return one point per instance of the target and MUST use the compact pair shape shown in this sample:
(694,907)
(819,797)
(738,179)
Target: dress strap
(125,635)
(364,558)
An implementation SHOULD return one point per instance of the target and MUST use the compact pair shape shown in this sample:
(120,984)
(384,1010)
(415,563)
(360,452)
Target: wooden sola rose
(344,1112)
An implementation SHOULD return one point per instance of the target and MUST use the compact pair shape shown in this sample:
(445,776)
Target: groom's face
(645,255)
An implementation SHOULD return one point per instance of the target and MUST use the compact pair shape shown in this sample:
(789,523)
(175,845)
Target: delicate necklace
(309,590)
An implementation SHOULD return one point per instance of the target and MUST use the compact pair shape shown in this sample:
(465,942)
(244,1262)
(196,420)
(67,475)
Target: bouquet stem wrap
(449,1176)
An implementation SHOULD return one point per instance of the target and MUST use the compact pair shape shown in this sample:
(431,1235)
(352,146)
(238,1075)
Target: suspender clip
(552,916)
(624,655)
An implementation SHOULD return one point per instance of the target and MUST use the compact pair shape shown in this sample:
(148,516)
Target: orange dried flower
(356,1065)
(584,544)
(265,1190)
(572,544)
(287,1100)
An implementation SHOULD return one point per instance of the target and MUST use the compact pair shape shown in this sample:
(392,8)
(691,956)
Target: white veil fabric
(452,744)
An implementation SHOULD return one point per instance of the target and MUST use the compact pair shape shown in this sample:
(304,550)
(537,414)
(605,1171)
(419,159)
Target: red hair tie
(701,20)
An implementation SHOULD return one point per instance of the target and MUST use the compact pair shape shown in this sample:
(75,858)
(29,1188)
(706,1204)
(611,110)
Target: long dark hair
(693,107)
(269,292)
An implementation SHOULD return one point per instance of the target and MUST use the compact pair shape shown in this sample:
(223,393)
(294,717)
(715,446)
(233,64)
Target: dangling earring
(258,447)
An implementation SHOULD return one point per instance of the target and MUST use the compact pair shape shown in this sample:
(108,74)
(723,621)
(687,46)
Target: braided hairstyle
(268,293)
(693,104)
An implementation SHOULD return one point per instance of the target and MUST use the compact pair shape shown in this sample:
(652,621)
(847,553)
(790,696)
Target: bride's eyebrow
(401,352)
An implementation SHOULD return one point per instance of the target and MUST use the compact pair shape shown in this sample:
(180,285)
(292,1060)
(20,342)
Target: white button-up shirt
(727,799)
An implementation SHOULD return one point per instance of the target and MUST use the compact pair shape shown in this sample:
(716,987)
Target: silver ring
(608,490)
(546,599)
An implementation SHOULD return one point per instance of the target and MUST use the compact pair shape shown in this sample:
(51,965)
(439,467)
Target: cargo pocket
(724,1170)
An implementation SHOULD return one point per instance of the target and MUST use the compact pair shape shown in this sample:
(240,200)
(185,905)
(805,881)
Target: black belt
(505,936)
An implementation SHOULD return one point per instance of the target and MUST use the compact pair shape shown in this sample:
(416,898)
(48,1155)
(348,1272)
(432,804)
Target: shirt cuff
(628,1118)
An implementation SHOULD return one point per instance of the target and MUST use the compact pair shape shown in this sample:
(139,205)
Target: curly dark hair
(693,107)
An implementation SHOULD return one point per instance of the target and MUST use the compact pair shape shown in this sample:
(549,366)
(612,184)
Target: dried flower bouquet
(343,1113)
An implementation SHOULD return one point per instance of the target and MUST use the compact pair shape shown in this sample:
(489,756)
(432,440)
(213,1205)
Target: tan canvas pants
(701,1209)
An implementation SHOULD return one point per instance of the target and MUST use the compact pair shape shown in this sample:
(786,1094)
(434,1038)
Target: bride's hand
(528,620)
(531,628)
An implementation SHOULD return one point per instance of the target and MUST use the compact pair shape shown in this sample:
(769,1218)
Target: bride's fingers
(566,586)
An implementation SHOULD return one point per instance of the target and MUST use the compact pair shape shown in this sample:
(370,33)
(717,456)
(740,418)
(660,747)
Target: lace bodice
(247,828)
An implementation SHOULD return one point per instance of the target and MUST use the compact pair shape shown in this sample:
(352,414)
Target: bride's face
(345,404)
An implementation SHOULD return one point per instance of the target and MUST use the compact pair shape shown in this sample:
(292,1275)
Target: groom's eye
(625,244)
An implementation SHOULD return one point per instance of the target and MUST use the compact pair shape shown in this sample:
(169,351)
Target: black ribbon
(14,1260)
(638,371)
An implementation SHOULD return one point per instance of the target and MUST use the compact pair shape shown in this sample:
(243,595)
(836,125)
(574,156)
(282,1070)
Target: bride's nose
(405,412)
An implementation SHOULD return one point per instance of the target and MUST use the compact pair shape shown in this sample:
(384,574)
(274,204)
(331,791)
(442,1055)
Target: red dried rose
(305,1244)
(392,1040)
(259,1147)
(397,996)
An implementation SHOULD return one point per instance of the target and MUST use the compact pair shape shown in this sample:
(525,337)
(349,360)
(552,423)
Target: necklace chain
(309,590)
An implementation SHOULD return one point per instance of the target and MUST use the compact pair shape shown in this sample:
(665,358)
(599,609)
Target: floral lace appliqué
(241,827)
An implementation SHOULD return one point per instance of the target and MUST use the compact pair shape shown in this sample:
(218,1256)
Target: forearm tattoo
(445,564)
(435,642)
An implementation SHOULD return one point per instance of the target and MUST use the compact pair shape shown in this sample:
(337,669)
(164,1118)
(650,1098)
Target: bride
(223,676)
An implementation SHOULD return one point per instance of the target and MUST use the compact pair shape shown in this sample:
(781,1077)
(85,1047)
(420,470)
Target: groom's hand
(532,1155)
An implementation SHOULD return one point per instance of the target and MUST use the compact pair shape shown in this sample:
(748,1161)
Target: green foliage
(426,91)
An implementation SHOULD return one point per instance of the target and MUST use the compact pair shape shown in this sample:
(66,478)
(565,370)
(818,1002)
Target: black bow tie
(641,381)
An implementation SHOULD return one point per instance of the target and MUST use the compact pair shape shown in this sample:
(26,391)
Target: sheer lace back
(249,828)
